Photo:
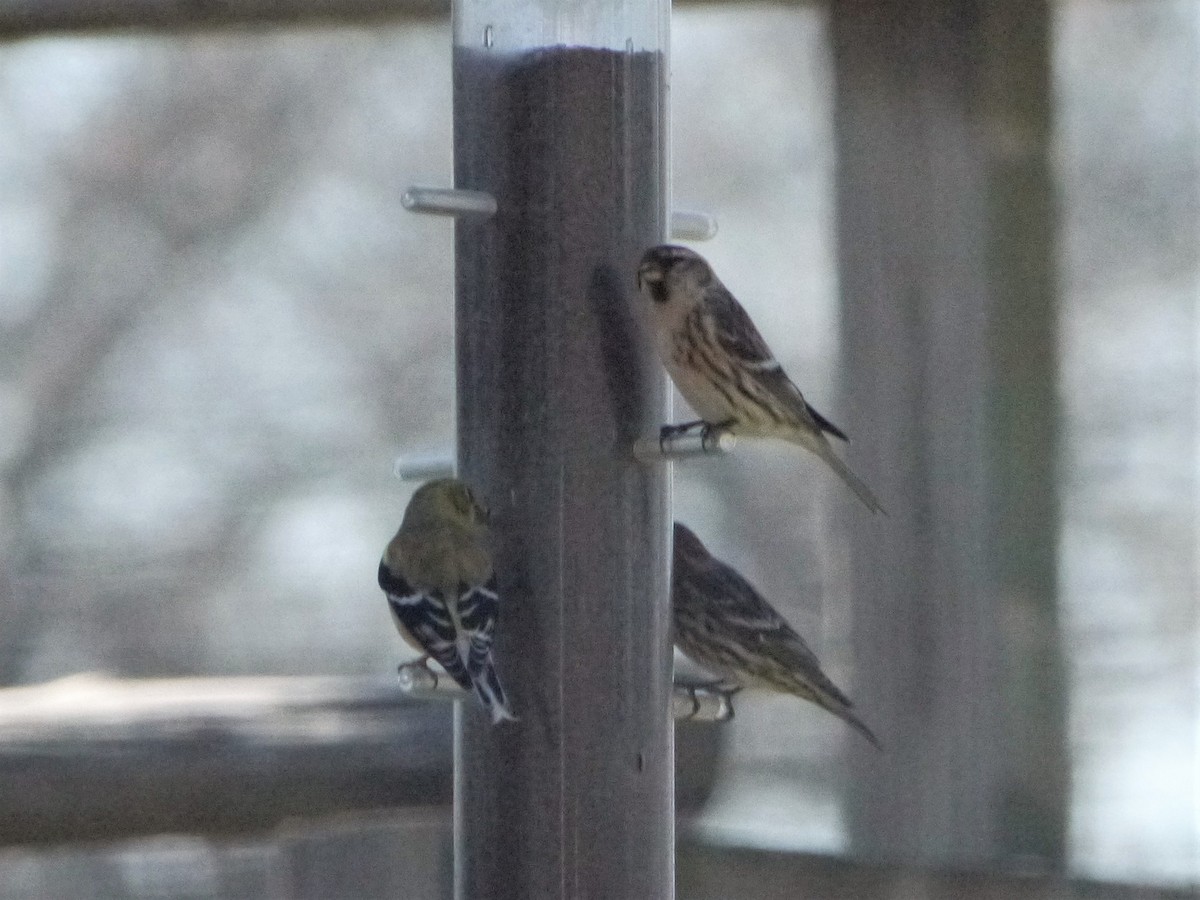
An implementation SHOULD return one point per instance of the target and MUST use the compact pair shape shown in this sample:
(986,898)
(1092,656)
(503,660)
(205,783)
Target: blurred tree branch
(160,193)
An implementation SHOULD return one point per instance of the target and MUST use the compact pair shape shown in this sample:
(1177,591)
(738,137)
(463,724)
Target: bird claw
(709,701)
(668,433)
(710,436)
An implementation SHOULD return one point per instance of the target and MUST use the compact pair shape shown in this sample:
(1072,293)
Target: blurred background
(219,328)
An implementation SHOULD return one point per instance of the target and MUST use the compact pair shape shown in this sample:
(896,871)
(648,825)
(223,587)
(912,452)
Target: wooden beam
(408,854)
(711,872)
(31,18)
(1024,415)
(94,758)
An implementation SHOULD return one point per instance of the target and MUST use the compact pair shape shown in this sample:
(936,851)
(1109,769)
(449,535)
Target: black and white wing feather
(427,620)
(478,608)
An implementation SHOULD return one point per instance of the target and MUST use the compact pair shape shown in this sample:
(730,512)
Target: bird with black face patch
(723,367)
(441,589)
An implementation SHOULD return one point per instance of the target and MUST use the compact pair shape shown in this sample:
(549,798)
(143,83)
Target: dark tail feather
(825,425)
(447,657)
(824,450)
(861,727)
(491,694)
(817,688)
(836,702)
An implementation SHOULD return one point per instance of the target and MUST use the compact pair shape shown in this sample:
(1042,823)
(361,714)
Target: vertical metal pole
(559,115)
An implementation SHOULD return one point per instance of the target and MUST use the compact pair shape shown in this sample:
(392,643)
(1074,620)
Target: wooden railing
(96,758)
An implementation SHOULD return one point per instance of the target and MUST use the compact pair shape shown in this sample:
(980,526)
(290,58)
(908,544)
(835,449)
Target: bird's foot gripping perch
(681,441)
(417,679)
(667,432)
(703,701)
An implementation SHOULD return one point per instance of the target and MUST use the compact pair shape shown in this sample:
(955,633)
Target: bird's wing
(742,616)
(824,424)
(478,606)
(425,615)
(715,599)
(736,333)
(737,336)
(751,622)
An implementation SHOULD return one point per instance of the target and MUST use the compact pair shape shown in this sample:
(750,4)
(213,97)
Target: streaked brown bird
(722,365)
(722,623)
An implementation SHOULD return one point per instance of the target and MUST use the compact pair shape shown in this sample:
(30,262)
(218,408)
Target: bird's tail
(860,726)
(491,694)
(822,692)
(823,449)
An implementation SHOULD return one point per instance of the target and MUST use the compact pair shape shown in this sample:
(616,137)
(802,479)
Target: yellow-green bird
(437,574)
(725,625)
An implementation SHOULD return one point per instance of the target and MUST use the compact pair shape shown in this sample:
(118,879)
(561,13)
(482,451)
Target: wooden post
(1024,416)
(946,254)
(556,380)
